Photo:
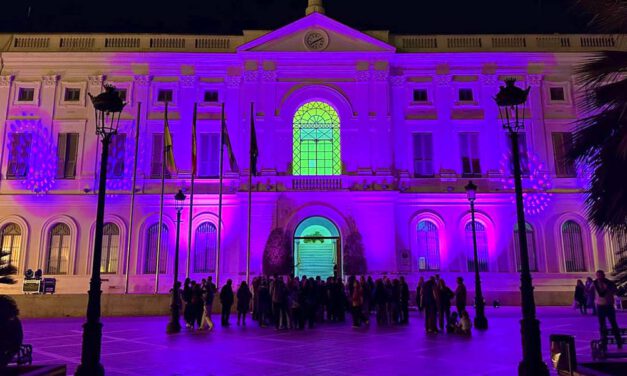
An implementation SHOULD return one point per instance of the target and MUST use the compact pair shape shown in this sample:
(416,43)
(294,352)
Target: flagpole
(250,194)
(221,172)
(132,213)
(163,161)
(191,194)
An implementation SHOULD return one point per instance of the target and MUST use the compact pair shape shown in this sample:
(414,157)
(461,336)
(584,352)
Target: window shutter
(157,155)
(72,152)
(61,151)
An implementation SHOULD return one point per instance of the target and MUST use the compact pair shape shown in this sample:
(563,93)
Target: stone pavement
(139,346)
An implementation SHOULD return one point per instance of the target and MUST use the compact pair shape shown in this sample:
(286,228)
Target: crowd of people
(599,295)
(288,302)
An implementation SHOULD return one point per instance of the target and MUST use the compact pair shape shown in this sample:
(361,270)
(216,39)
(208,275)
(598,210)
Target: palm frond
(604,67)
(609,16)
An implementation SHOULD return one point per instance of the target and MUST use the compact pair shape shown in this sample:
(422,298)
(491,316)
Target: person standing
(187,299)
(605,291)
(404,301)
(460,296)
(419,304)
(208,296)
(357,299)
(590,295)
(444,303)
(429,302)
(580,296)
(226,299)
(243,302)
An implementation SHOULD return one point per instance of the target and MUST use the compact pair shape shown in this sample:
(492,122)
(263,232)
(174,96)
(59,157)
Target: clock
(316,40)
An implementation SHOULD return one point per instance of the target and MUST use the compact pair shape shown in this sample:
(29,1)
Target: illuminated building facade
(366,140)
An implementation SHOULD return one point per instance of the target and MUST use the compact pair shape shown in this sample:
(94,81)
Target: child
(452,324)
(464,324)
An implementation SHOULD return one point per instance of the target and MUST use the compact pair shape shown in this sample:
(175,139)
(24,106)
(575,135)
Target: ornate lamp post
(108,107)
(174,326)
(481,322)
(511,102)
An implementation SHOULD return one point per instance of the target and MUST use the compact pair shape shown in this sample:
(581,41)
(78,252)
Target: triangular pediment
(296,36)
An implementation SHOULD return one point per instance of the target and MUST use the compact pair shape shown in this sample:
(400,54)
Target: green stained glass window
(316,145)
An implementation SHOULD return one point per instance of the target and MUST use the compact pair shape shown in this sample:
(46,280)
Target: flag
(254,149)
(226,141)
(194,150)
(167,145)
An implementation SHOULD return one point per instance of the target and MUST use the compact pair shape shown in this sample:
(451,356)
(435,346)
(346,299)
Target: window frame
(36,86)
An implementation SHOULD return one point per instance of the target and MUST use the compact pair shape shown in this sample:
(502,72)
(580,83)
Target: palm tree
(600,137)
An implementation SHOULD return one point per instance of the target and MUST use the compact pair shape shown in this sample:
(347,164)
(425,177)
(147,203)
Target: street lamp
(174,326)
(511,102)
(481,322)
(108,107)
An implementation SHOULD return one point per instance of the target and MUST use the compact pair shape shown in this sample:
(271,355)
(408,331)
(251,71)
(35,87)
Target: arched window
(531,248)
(11,240)
(428,246)
(573,247)
(58,249)
(150,261)
(482,246)
(205,248)
(618,247)
(110,248)
(316,144)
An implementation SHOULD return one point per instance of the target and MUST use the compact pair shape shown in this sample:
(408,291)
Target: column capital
(50,80)
(380,74)
(398,80)
(188,81)
(233,81)
(5,81)
(443,79)
(268,75)
(534,80)
(251,75)
(143,80)
(96,80)
(362,75)
(489,80)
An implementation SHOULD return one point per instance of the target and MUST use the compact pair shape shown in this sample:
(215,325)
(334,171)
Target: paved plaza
(139,346)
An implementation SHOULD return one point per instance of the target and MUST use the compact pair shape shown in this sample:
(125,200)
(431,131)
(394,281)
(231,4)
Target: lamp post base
(481,322)
(531,364)
(92,336)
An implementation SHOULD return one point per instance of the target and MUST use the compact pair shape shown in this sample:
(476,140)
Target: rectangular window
(562,144)
(25,94)
(557,94)
(211,96)
(164,95)
(208,155)
(67,150)
(469,151)
(524,154)
(19,155)
(72,94)
(420,95)
(465,95)
(156,165)
(117,156)
(423,155)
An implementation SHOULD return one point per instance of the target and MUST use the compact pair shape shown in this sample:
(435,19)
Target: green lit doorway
(317,248)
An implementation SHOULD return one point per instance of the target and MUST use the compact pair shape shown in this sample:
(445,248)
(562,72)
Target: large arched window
(531,248)
(205,248)
(428,246)
(618,247)
(110,248)
(574,256)
(150,261)
(316,144)
(11,240)
(58,249)
(482,246)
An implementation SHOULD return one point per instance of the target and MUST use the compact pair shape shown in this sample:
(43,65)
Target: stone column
(6,82)
(141,93)
(448,155)
(399,134)
(362,158)
(380,124)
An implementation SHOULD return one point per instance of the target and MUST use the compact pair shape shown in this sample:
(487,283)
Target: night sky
(232,16)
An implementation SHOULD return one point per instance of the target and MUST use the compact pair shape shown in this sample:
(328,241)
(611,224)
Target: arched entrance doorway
(316,248)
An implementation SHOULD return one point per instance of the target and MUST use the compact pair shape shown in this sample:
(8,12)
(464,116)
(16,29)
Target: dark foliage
(277,255)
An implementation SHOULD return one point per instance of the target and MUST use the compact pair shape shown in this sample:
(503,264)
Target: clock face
(316,40)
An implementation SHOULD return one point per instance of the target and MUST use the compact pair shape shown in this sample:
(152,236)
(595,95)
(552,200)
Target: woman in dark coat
(187,299)
(11,334)
(243,302)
